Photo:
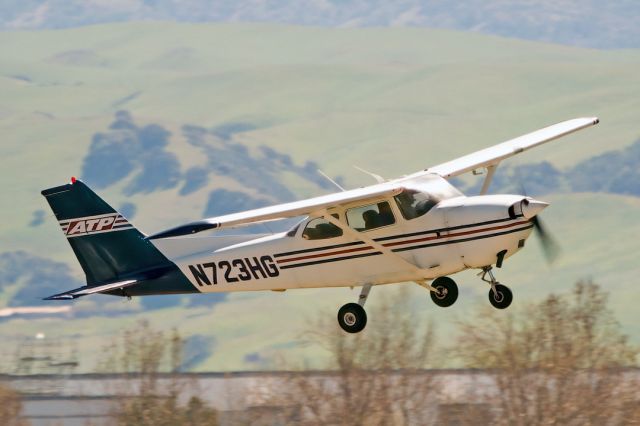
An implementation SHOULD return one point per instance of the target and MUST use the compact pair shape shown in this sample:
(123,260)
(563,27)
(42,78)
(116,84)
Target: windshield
(414,204)
(421,196)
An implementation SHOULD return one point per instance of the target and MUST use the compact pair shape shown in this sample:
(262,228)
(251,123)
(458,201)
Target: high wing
(491,157)
(282,211)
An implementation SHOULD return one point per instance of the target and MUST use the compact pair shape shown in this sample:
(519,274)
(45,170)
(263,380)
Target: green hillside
(390,100)
(276,324)
(576,22)
(338,97)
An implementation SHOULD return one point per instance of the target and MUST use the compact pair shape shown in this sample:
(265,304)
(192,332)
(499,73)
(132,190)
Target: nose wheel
(500,296)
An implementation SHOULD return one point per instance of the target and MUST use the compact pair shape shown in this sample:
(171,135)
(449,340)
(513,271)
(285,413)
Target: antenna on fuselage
(378,178)
(330,180)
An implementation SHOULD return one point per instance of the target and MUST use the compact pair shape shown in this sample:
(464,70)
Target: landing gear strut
(500,296)
(352,316)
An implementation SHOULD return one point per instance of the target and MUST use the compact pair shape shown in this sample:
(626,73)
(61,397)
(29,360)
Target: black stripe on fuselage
(289,253)
(317,262)
(463,240)
(441,230)
(442,243)
(393,237)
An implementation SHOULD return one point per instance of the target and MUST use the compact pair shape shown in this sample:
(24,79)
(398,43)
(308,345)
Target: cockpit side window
(293,231)
(413,204)
(320,229)
(371,216)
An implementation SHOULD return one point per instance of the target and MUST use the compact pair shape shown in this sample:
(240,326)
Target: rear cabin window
(413,204)
(370,217)
(320,229)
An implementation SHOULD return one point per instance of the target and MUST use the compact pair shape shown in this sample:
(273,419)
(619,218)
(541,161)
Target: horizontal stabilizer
(83,291)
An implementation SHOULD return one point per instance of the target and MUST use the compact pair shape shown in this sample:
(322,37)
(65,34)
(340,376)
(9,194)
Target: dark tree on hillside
(153,136)
(195,179)
(111,158)
(222,201)
(616,172)
(49,277)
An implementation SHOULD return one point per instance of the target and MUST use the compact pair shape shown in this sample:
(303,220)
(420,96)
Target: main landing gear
(445,292)
(352,316)
(500,296)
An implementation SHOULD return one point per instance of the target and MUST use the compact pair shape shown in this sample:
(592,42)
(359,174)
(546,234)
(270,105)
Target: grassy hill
(389,100)
(575,22)
(277,324)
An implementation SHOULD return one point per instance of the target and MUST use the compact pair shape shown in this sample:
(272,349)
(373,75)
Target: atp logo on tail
(81,226)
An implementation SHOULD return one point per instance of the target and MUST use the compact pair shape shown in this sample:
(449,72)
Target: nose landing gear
(500,296)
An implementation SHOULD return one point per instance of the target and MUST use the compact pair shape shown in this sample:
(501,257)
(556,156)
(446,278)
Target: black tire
(503,299)
(352,318)
(447,293)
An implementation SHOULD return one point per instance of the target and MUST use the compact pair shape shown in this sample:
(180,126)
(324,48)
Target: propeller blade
(550,247)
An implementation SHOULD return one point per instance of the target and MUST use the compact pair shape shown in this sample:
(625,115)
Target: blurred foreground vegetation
(562,361)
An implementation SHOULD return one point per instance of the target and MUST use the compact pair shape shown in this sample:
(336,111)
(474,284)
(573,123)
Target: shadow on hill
(139,155)
(40,277)
(127,149)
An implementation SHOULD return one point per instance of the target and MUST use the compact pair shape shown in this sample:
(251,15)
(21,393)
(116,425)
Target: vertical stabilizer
(105,243)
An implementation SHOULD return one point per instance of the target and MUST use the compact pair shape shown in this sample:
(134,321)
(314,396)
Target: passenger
(386,216)
(371,220)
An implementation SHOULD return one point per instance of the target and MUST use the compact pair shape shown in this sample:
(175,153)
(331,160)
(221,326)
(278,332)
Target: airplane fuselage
(416,228)
(457,233)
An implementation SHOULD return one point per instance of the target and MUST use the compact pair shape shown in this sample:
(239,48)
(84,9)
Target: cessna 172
(416,228)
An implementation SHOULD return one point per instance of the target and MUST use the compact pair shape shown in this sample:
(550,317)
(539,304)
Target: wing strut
(491,170)
(384,250)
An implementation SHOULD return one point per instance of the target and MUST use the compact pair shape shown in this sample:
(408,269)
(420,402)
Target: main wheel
(352,318)
(446,292)
(502,297)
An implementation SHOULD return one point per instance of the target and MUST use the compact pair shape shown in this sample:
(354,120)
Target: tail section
(107,246)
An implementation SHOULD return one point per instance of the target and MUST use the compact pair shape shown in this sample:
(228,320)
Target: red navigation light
(73,180)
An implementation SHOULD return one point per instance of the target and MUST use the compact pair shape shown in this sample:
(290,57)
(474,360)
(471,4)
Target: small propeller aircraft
(415,228)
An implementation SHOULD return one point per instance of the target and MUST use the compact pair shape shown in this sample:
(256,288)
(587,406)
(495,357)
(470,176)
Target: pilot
(385,215)
(371,219)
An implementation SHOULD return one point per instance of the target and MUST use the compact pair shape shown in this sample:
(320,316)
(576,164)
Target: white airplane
(416,228)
